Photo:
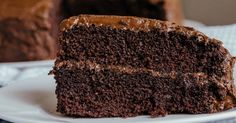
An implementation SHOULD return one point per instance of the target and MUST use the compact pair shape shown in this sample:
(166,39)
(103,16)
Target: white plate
(34,101)
(26,64)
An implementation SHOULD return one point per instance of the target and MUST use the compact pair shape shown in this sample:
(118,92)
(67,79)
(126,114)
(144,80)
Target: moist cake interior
(111,66)
(155,49)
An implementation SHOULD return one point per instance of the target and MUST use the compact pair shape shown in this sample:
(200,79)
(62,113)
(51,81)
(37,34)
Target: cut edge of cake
(222,98)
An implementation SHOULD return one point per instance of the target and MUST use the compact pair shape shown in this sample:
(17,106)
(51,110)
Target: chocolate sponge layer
(87,91)
(156,49)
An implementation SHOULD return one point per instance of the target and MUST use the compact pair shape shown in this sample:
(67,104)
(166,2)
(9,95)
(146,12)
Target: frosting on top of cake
(119,22)
(131,23)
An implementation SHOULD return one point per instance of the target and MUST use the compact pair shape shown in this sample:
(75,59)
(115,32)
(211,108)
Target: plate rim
(27,64)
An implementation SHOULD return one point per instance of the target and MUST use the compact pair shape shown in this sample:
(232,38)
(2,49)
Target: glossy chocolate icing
(131,23)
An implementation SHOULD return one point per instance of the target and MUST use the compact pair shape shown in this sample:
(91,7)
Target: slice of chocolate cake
(159,9)
(114,66)
(28,29)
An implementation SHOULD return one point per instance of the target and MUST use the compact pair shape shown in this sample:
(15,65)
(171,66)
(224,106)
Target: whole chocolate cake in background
(28,29)
(159,9)
(114,66)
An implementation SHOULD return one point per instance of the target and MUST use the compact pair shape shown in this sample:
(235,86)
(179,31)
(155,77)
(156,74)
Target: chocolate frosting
(132,23)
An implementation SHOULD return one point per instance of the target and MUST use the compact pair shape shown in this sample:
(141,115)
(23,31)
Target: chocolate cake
(122,66)
(159,9)
(28,29)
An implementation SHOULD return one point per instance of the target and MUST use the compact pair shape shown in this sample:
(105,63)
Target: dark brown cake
(114,66)
(159,9)
(28,29)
